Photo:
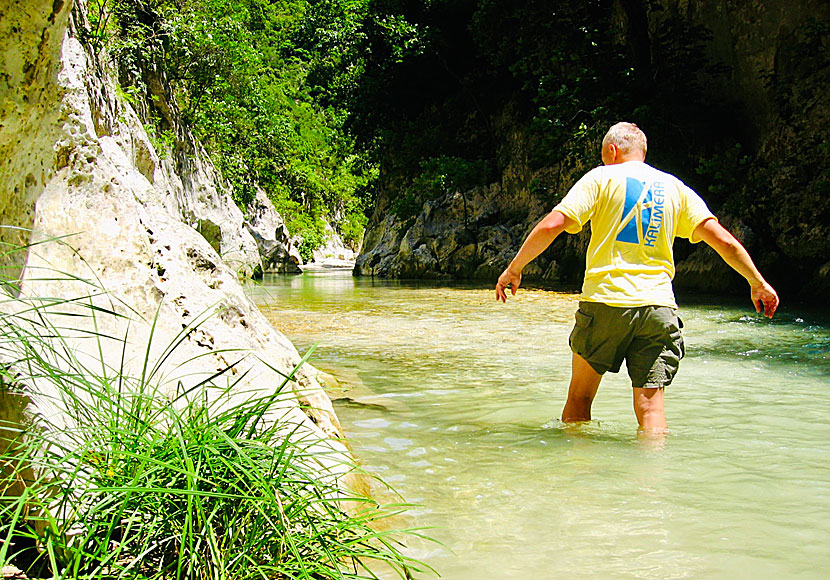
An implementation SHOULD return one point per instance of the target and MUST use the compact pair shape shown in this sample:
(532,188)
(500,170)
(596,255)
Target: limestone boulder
(152,244)
(276,248)
(31,118)
(381,244)
(334,251)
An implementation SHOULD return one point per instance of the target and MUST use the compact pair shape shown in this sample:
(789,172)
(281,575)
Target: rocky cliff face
(155,239)
(465,236)
(767,68)
(774,67)
(30,110)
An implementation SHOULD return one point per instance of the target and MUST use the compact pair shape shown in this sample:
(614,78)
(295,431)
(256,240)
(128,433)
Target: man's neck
(627,158)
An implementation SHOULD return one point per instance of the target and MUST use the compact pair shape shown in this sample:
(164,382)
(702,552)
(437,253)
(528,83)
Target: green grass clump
(127,483)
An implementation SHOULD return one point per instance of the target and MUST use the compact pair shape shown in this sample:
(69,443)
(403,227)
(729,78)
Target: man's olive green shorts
(648,338)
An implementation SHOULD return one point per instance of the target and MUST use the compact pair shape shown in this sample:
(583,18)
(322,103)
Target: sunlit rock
(265,224)
(459,236)
(150,236)
(334,251)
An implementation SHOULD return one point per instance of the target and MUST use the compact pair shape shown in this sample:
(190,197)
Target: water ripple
(740,488)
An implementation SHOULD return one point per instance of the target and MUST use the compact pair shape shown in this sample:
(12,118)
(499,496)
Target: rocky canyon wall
(758,156)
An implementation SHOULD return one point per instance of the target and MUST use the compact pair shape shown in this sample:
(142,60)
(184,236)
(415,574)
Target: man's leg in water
(581,392)
(650,409)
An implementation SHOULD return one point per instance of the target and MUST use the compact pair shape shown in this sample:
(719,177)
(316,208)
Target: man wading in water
(627,309)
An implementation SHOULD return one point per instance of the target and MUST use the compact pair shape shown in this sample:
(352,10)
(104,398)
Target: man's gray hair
(627,137)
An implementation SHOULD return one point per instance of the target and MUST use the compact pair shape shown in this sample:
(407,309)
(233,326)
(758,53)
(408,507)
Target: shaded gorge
(452,399)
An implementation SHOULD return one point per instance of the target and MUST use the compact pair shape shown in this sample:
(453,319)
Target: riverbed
(454,402)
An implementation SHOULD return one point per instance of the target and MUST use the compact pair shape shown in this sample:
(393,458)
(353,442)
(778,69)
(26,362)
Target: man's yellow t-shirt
(636,211)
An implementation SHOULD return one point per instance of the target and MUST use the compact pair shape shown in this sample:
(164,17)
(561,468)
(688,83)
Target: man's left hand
(764,298)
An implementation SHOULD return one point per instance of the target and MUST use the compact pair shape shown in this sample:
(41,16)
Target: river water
(454,403)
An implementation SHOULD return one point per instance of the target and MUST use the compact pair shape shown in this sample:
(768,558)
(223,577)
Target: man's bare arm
(537,242)
(763,295)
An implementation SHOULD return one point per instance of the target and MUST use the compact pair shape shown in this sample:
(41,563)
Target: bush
(129,484)
(439,176)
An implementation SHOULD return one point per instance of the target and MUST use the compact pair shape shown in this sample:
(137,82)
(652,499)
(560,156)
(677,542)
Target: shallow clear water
(469,389)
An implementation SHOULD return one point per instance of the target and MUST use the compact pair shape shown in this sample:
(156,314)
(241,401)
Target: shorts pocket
(580,335)
(678,344)
(583,319)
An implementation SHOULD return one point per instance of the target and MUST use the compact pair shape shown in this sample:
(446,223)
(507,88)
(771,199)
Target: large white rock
(334,252)
(31,35)
(117,224)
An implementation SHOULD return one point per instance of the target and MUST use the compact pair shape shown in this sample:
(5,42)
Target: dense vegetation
(237,73)
(445,99)
(305,98)
(475,92)
(339,107)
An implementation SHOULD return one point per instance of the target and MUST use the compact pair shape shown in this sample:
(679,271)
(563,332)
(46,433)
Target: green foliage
(131,483)
(308,99)
(433,80)
(312,231)
(101,27)
(352,228)
(163,141)
(452,173)
(532,83)
(562,62)
(440,175)
(238,72)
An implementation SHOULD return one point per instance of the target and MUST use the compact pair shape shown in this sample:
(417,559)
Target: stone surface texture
(469,235)
(334,251)
(265,224)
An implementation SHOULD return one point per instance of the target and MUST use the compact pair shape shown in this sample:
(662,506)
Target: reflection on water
(470,390)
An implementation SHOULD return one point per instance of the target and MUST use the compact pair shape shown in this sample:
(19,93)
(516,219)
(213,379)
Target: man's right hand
(508,278)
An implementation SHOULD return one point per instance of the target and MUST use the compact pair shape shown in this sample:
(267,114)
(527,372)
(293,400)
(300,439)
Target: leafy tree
(239,77)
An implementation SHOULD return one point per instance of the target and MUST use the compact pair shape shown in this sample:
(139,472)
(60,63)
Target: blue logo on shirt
(642,215)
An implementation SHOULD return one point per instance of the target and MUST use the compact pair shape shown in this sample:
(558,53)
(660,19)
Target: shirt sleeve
(694,212)
(578,204)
